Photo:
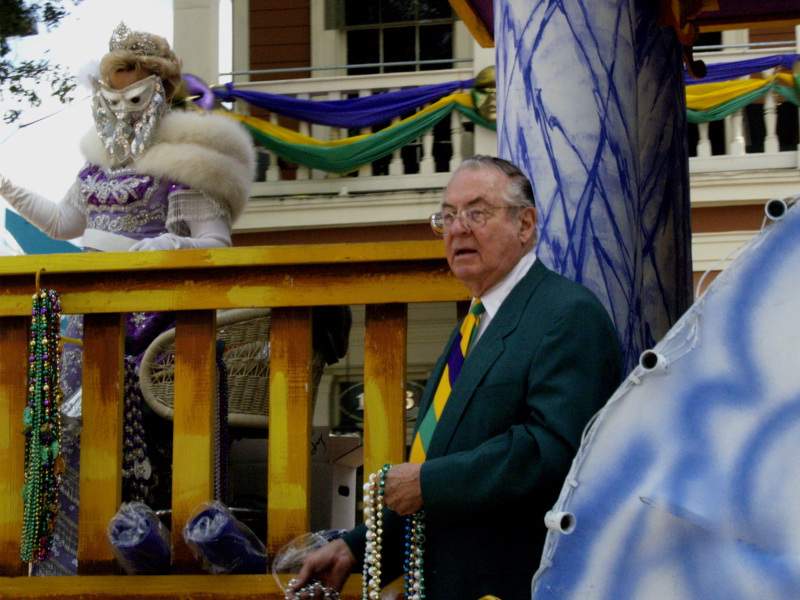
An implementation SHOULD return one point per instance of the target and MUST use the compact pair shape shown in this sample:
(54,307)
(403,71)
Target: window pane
(435,42)
(398,46)
(360,12)
(362,48)
(434,9)
(709,38)
(393,11)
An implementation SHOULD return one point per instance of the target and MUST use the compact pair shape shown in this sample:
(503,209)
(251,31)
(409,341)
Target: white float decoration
(687,484)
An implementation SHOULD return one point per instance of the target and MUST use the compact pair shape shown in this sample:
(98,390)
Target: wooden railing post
(14,350)
(289,461)
(193,425)
(385,385)
(101,439)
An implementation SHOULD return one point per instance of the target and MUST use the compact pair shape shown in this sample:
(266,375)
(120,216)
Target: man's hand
(402,491)
(330,565)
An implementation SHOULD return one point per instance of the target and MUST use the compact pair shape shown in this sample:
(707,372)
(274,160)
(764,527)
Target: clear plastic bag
(289,559)
(139,540)
(222,542)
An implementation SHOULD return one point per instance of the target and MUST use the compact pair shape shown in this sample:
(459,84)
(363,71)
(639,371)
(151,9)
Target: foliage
(20,79)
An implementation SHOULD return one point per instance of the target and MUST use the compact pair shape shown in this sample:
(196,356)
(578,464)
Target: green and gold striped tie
(455,361)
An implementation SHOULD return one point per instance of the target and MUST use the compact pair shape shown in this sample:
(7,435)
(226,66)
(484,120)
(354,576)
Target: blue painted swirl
(591,105)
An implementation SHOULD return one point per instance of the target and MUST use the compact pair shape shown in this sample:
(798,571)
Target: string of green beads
(42,429)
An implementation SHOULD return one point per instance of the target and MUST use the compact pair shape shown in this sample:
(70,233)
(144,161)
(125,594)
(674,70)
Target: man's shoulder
(544,292)
(542,279)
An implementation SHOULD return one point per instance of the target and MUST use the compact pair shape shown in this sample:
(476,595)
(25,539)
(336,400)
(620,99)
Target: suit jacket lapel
(481,358)
(433,379)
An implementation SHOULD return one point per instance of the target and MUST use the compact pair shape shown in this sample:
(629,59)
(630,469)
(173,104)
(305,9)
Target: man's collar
(493,298)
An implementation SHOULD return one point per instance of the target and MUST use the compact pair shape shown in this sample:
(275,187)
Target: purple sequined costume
(129,204)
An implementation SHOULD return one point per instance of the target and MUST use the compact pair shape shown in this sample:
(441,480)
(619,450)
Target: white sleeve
(62,221)
(213,233)
(208,222)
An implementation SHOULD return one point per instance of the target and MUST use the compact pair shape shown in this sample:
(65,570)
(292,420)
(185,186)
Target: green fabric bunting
(728,108)
(350,157)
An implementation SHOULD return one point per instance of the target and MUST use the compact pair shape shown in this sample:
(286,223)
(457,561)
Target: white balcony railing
(761,136)
(751,142)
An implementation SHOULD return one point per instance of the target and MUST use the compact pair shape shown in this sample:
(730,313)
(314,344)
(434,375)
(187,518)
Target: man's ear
(527,223)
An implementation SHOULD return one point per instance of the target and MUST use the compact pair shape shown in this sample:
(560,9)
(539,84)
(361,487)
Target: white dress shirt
(497,294)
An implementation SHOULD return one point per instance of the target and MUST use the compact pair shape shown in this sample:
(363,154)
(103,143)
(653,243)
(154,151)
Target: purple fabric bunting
(741,68)
(351,113)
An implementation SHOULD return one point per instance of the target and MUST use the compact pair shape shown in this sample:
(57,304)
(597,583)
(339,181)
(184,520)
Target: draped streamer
(352,113)
(711,99)
(715,101)
(349,154)
(742,68)
(705,96)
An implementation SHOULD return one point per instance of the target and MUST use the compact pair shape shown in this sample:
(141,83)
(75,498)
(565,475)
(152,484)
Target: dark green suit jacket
(549,359)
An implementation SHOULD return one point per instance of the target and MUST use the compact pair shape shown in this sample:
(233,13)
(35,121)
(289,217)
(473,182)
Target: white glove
(204,234)
(60,221)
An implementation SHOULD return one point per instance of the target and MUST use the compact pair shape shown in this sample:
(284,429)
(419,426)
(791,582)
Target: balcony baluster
(366,170)
(456,136)
(303,172)
(736,147)
(273,171)
(396,166)
(771,145)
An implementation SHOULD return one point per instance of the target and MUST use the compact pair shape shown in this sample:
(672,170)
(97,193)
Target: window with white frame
(397,31)
(424,35)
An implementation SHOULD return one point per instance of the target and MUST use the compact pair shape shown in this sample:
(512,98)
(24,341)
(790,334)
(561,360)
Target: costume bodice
(125,202)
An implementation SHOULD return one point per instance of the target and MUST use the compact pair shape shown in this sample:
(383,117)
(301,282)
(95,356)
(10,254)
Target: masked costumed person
(154,179)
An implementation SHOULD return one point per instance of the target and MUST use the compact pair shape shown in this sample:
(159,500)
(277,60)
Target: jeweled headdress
(139,42)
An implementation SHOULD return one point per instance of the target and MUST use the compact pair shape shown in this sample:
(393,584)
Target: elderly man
(504,409)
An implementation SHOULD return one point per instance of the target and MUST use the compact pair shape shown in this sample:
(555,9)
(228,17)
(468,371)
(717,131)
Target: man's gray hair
(519,191)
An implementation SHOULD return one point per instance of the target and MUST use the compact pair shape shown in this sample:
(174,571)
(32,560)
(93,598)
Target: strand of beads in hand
(310,590)
(374,490)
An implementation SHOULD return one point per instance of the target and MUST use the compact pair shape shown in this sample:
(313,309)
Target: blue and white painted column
(591,105)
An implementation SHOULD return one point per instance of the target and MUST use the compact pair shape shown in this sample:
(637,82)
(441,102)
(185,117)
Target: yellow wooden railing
(103,287)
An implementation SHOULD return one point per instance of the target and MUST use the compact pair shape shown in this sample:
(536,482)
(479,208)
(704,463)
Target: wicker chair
(246,355)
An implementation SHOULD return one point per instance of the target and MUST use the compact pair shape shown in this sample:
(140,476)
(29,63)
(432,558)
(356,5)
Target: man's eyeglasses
(471,218)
